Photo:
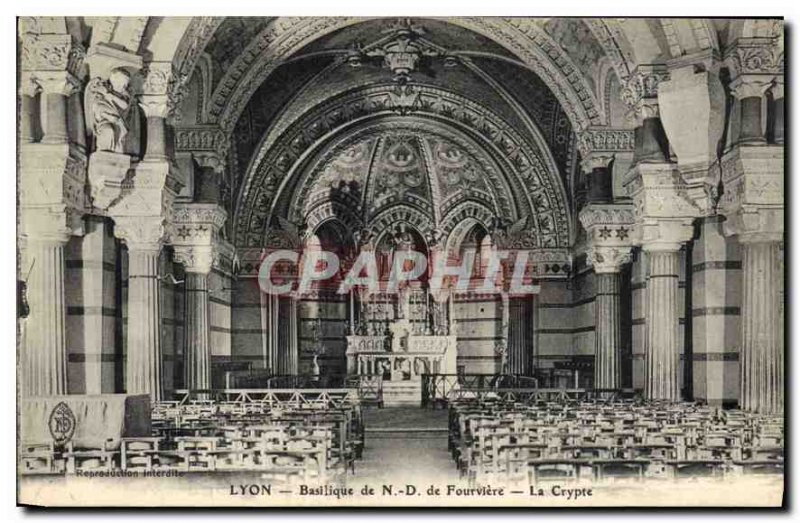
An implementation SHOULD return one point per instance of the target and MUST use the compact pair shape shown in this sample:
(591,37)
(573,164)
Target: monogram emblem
(62,423)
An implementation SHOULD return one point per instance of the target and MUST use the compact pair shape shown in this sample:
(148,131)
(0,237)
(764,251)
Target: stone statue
(107,104)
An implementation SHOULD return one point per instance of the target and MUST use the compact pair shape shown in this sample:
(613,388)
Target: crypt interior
(639,162)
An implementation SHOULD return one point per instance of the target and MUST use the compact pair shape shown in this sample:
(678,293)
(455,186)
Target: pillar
(761,357)
(56,90)
(143,369)
(661,326)
(29,112)
(155,110)
(598,175)
(43,358)
(607,340)
(778,97)
(749,90)
(198,357)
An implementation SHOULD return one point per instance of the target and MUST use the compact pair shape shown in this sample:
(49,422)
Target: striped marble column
(761,357)
(143,370)
(661,327)
(607,340)
(198,358)
(43,358)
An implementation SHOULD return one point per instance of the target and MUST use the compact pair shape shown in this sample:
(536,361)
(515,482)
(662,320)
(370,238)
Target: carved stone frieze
(605,140)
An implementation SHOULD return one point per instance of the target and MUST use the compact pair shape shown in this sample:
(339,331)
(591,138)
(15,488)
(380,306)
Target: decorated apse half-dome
(428,173)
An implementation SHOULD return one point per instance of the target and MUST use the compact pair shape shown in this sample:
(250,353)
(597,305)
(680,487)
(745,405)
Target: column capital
(194,235)
(51,53)
(27,84)
(663,209)
(751,85)
(211,160)
(156,99)
(154,105)
(197,259)
(56,82)
(641,91)
(753,200)
(610,229)
(140,233)
(144,207)
(756,56)
(51,192)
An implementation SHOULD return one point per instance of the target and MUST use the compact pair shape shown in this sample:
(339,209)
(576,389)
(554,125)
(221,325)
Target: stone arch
(535,174)
(287,36)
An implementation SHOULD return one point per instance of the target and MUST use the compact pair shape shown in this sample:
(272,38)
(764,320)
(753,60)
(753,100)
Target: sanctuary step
(402,393)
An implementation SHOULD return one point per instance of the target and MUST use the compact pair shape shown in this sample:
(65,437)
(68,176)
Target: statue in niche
(107,106)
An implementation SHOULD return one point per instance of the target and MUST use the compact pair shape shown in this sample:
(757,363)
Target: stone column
(195,239)
(154,104)
(598,174)
(29,112)
(607,340)
(43,359)
(749,90)
(662,343)
(761,358)
(754,214)
(664,216)
(144,358)
(778,96)
(198,357)
(51,204)
(608,228)
(139,218)
(56,90)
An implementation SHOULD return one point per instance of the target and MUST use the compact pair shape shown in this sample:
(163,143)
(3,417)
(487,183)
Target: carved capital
(196,258)
(28,85)
(51,52)
(211,160)
(145,205)
(144,233)
(608,259)
(197,223)
(753,198)
(641,91)
(52,181)
(756,56)
(596,161)
(663,209)
(751,86)
(56,82)
(154,105)
(609,229)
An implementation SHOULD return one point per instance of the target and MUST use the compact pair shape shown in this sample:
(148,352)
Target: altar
(417,339)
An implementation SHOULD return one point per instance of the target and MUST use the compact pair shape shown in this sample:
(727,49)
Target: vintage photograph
(314,261)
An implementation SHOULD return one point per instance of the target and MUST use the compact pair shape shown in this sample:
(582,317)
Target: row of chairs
(497,441)
(301,442)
